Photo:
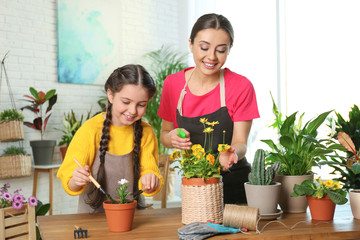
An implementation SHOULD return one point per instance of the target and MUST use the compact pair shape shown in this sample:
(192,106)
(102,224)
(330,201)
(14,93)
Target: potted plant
(11,125)
(14,205)
(261,191)
(14,162)
(43,150)
(298,150)
(322,197)
(71,125)
(201,185)
(349,169)
(120,215)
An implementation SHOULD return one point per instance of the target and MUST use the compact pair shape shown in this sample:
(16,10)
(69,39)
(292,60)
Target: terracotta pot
(354,196)
(291,204)
(199,181)
(321,208)
(119,216)
(263,197)
(63,152)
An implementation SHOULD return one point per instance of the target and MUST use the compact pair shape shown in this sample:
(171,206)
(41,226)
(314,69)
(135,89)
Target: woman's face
(129,105)
(210,50)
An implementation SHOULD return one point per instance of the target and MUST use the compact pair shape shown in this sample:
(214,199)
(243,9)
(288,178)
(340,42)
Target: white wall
(28,31)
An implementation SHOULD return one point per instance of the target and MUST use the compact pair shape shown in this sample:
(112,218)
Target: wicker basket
(202,202)
(11,131)
(17,224)
(12,166)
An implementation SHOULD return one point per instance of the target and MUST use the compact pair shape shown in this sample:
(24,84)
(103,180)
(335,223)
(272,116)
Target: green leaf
(34,93)
(337,198)
(356,168)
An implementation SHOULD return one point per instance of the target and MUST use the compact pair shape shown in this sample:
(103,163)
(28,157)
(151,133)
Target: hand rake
(80,233)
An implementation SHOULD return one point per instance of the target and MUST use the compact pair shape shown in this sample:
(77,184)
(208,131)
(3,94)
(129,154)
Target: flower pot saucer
(271,216)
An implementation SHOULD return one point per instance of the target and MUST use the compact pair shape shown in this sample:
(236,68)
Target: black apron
(237,175)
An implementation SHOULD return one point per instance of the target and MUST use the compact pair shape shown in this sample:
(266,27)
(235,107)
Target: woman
(217,94)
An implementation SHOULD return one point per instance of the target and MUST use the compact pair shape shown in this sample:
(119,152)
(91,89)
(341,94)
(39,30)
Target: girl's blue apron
(237,175)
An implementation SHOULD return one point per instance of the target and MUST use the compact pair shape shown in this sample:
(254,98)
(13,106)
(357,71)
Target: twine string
(248,217)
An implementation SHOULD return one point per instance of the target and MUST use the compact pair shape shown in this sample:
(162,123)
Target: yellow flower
(212,123)
(203,120)
(195,162)
(211,159)
(199,153)
(208,130)
(223,147)
(329,183)
(336,185)
(195,146)
(175,154)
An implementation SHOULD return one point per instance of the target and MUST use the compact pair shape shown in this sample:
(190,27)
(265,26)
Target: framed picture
(88,38)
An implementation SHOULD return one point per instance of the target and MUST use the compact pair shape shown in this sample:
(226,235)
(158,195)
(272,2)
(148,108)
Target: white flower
(123,181)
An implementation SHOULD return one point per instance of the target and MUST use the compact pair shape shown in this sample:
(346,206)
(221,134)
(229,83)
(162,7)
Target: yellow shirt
(86,141)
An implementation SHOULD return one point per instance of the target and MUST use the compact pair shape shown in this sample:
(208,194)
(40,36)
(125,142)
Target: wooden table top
(163,224)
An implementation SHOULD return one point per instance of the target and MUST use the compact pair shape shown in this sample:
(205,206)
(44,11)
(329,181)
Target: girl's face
(129,105)
(210,50)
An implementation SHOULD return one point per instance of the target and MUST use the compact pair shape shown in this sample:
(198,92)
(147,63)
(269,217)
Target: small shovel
(97,185)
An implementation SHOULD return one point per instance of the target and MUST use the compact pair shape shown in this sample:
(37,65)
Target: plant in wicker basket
(14,162)
(201,188)
(11,125)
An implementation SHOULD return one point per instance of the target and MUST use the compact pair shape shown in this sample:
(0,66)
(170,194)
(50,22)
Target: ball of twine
(240,217)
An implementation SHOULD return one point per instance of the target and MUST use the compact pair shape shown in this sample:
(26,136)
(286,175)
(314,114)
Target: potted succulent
(322,197)
(298,150)
(71,125)
(261,191)
(43,150)
(201,185)
(120,213)
(11,125)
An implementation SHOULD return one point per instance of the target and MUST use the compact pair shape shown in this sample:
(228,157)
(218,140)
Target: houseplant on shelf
(201,188)
(298,150)
(43,150)
(322,197)
(261,191)
(71,125)
(120,215)
(11,125)
(14,162)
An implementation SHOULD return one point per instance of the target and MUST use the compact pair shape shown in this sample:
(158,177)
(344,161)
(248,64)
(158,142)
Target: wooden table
(163,224)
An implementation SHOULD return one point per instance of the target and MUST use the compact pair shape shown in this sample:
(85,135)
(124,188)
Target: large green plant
(165,61)
(71,125)
(260,175)
(298,148)
(350,127)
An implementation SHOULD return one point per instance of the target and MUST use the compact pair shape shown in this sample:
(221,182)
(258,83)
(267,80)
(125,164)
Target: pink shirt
(240,98)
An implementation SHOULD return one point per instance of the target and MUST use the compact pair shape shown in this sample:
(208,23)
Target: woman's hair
(212,20)
(128,74)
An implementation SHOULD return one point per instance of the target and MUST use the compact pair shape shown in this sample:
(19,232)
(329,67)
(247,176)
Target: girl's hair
(215,21)
(128,74)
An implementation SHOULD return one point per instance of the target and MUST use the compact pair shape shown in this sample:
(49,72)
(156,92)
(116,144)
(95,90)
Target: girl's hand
(150,182)
(178,141)
(227,159)
(79,178)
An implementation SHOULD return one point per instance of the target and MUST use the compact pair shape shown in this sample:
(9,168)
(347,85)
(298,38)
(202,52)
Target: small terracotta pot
(63,152)
(119,216)
(199,181)
(321,208)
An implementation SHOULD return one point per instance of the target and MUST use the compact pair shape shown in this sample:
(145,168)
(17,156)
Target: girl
(116,144)
(208,91)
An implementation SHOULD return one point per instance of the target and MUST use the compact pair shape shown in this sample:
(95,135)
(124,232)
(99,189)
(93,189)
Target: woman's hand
(80,178)
(177,141)
(228,158)
(150,182)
